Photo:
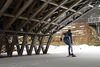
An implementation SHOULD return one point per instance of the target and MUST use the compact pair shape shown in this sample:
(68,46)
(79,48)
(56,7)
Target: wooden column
(47,46)
(33,44)
(98,28)
(17,45)
(40,45)
(23,44)
(2,37)
(12,44)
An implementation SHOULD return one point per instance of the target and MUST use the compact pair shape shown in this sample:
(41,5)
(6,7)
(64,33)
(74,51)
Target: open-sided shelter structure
(37,20)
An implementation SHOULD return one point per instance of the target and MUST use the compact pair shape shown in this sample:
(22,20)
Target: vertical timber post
(33,44)
(17,45)
(12,44)
(2,36)
(98,28)
(48,44)
(23,44)
(40,45)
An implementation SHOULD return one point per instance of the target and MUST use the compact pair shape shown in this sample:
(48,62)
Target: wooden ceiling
(41,16)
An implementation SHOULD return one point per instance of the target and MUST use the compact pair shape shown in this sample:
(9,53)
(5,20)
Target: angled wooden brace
(48,44)
(18,14)
(40,45)
(33,44)
(6,5)
(12,44)
(23,44)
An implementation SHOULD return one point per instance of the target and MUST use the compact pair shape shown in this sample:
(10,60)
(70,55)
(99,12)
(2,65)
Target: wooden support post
(33,44)
(97,28)
(40,45)
(17,45)
(47,46)
(27,49)
(12,44)
(2,37)
(23,44)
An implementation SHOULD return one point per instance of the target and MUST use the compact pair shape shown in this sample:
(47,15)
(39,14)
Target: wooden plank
(23,44)
(6,5)
(33,44)
(18,14)
(40,45)
(47,46)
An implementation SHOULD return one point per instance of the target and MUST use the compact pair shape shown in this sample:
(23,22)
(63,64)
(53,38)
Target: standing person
(68,40)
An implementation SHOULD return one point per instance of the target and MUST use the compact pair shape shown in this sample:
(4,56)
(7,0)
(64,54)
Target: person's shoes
(73,55)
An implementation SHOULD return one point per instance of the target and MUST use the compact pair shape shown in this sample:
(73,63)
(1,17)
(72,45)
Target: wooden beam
(75,19)
(21,33)
(54,9)
(17,45)
(28,12)
(75,12)
(27,49)
(12,44)
(34,14)
(2,38)
(2,3)
(40,45)
(48,44)
(33,44)
(23,44)
(17,6)
(6,5)
(75,3)
(25,18)
(18,14)
(20,17)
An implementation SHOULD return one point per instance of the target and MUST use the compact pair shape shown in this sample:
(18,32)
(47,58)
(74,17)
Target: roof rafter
(75,3)
(18,14)
(5,7)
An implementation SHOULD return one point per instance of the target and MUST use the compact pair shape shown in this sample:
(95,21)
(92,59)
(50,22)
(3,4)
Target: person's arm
(71,37)
(61,36)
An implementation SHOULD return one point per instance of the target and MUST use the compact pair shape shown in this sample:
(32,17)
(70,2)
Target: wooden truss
(31,23)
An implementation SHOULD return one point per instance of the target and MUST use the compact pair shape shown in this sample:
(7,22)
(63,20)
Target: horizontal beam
(25,18)
(22,32)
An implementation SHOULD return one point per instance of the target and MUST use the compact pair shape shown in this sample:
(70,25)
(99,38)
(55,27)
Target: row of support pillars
(98,28)
(37,43)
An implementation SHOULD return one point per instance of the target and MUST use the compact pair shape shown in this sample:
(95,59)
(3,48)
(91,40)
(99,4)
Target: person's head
(69,30)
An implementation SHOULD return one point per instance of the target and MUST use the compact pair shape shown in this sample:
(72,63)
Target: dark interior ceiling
(42,16)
